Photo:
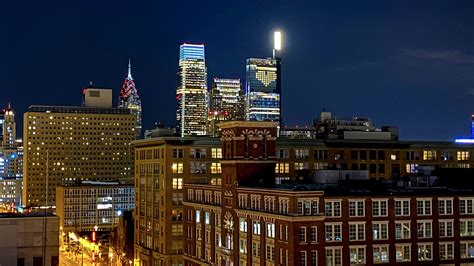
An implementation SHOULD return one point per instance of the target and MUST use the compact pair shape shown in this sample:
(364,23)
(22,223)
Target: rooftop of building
(439,182)
(78,110)
(89,184)
(377,188)
(296,142)
(26,215)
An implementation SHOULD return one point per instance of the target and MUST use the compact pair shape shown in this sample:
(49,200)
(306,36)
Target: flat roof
(79,110)
(283,142)
(26,215)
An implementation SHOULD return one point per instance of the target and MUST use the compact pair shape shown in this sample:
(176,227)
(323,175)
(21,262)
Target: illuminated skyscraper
(192,95)
(129,99)
(11,159)
(8,128)
(68,144)
(226,102)
(263,90)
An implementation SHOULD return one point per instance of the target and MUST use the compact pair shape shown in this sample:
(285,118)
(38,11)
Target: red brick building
(251,221)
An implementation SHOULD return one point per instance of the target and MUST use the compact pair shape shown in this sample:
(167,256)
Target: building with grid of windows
(162,167)
(226,103)
(249,220)
(192,95)
(68,144)
(196,161)
(82,207)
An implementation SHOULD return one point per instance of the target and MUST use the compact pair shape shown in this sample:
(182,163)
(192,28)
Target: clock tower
(248,160)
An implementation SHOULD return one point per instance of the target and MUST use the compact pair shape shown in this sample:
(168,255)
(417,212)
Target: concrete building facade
(29,239)
(71,144)
(82,207)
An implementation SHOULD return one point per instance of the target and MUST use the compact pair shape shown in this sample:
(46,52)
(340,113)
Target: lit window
(177,168)
(333,232)
(177,183)
(402,229)
(403,252)
(466,227)
(462,155)
(357,254)
(425,252)
(216,153)
(216,168)
(380,230)
(380,254)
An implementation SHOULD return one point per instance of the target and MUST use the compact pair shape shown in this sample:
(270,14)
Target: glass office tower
(192,95)
(226,103)
(263,90)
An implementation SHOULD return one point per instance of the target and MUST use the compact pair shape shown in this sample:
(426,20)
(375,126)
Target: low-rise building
(250,220)
(82,207)
(10,190)
(29,239)
(164,164)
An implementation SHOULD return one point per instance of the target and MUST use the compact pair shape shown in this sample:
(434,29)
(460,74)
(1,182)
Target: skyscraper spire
(129,69)
(129,98)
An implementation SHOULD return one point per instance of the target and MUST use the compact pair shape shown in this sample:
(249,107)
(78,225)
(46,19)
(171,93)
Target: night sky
(408,64)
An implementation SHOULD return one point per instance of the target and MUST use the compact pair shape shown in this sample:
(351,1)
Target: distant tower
(263,86)
(263,90)
(226,103)
(192,95)
(129,99)
(9,128)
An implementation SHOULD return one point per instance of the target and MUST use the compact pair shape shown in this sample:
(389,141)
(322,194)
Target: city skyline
(374,55)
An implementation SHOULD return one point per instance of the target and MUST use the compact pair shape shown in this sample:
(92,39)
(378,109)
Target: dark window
(381,168)
(320,154)
(178,153)
(373,155)
(54,260)
(363,155)
(20,261)
(354,166)
(363,166)
(373,168)
(354,155)
(37,261)
(381,155)
(395,170)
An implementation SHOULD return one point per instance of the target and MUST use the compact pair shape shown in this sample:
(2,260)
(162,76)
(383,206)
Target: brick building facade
(170,170)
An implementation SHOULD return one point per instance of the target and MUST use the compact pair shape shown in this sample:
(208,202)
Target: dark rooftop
(78,110)
(26,215)
(443,185)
